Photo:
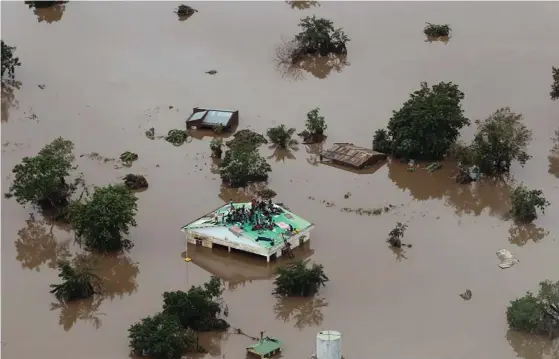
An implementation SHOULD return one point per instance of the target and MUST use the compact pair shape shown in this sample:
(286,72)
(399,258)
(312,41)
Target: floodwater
(110,72)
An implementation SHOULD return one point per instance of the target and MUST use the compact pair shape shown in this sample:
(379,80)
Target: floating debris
(185,11)
(128,157)
(432,167)
(42,87)
(467,295)
(133,181)
(369,211)
(347,195)
(507,258)
(211,72)
(150,133)
(98,157)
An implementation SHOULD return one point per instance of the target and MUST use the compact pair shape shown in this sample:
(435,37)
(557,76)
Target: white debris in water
(507,258)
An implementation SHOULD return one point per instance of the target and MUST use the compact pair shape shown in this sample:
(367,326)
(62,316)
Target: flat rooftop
(243,233)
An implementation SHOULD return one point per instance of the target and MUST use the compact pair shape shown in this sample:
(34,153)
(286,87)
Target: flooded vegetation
(73,102)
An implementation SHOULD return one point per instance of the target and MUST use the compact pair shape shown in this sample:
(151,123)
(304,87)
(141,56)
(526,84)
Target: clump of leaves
(133,181)
(199,308)
(381,141)
(218,128)
(396,234)
(102,220)
(185,11)
(281,136)
(242,165)
(525,203)
(9,60)
(176,137)
(266,193)
(298,279)
(554,86)
(150,133)
(434,31)
(77,282)
(247,138)
(216,146)
(536,314)
(128,157)
(428,123)
(161,337)
(302,5)
(43,4)
(499,140)
(42,180)
(315,127)
(318,36)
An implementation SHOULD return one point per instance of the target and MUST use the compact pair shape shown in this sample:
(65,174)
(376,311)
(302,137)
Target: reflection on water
(304,312)
(314,150)
(443,39)
(281,154)
(522,233)
(318,66)
(48,14)
(399,253)
(36,245)
(243,194)
(532,346)
(9,88)
(84,309)
(302,5)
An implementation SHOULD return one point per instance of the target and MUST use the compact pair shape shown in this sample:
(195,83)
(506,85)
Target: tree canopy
(427,124)
(318,36)
(243,164)
(161,337)
(315,126)
(9,60)
(525,203)
(300,280)
(281,136)
(554,86)
(102,220)
(77,282)
(42,180)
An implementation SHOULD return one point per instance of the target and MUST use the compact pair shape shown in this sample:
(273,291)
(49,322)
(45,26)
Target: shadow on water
(473,199)
(37,245)
(318,66)
(243,194)
(85,309)
(304,312)
(302,5)
(282,154)
(399,253)
(199,134)
(522,233)
(9,88)
(532,347)
(313,150)
(443,39)
(47,11)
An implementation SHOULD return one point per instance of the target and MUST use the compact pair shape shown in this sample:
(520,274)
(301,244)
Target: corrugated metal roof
(218,118)
(350,154)
(265,346)
(197,115)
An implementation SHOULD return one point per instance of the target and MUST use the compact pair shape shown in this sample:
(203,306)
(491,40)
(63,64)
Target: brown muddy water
(111,71)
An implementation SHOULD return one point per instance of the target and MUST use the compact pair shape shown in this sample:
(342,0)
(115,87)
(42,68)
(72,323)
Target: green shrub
(525,203)
(297,279)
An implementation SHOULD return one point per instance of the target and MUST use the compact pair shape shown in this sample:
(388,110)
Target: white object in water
(507,258)
(329,345)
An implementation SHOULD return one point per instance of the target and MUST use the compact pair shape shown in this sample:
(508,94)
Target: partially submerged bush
(554,86)
(396,234)
(525,203)
(536,314)
(319,37)
(199,308)
(176,137)
(43,4)
(315,127)
(298,280)
(128,157)
(42,180)
(9,60)
(133,181)
(266,193)
(302,5)
(77,282)
(242,165)
(185,11)
(428,123)
(216,146)
(381,141)
(434,31)
(281,136)
(161,337)
(245,138)
(103,219)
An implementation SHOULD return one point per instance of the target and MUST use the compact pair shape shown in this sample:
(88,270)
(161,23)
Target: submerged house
(347,154)
(210,119)
(228,228)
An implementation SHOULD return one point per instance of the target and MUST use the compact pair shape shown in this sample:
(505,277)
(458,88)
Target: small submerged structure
(266,347)
(212,119)
(347,154)
(263,228)
(328,345)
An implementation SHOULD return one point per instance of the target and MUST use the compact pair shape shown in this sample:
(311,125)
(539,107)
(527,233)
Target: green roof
(266,346)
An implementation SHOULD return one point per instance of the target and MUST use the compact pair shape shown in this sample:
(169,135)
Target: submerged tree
(281,136)
(434,31)
(103,219)
(427,124)
(537,314)
(161,337)
(396,234)
(315,127)
(199,308)
(554,86)
(77,282)
(9,60)
(243,164)
(318,36)
(185,11)
(525,203)
(42,180)
(298,280)
(216,146)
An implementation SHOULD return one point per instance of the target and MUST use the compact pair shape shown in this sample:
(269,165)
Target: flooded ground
(112,70)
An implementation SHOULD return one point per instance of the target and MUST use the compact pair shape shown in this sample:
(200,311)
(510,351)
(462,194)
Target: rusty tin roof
(350,154)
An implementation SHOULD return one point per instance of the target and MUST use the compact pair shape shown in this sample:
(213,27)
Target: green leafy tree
(281,136)
(537,314)
(315,126)
(381,141)
(197,309)
(77,282)
(243,164)
(102,219)
(554,86)
(428,123)
(318,36)
(300,280)
(525,203)
(161,337)
(42,180)
(433,30)
(216,146)
(9,60)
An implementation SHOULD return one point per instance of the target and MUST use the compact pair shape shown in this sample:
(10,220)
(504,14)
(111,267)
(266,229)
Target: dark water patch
(80,310)
(522,233)
(302,312)
(528,346)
